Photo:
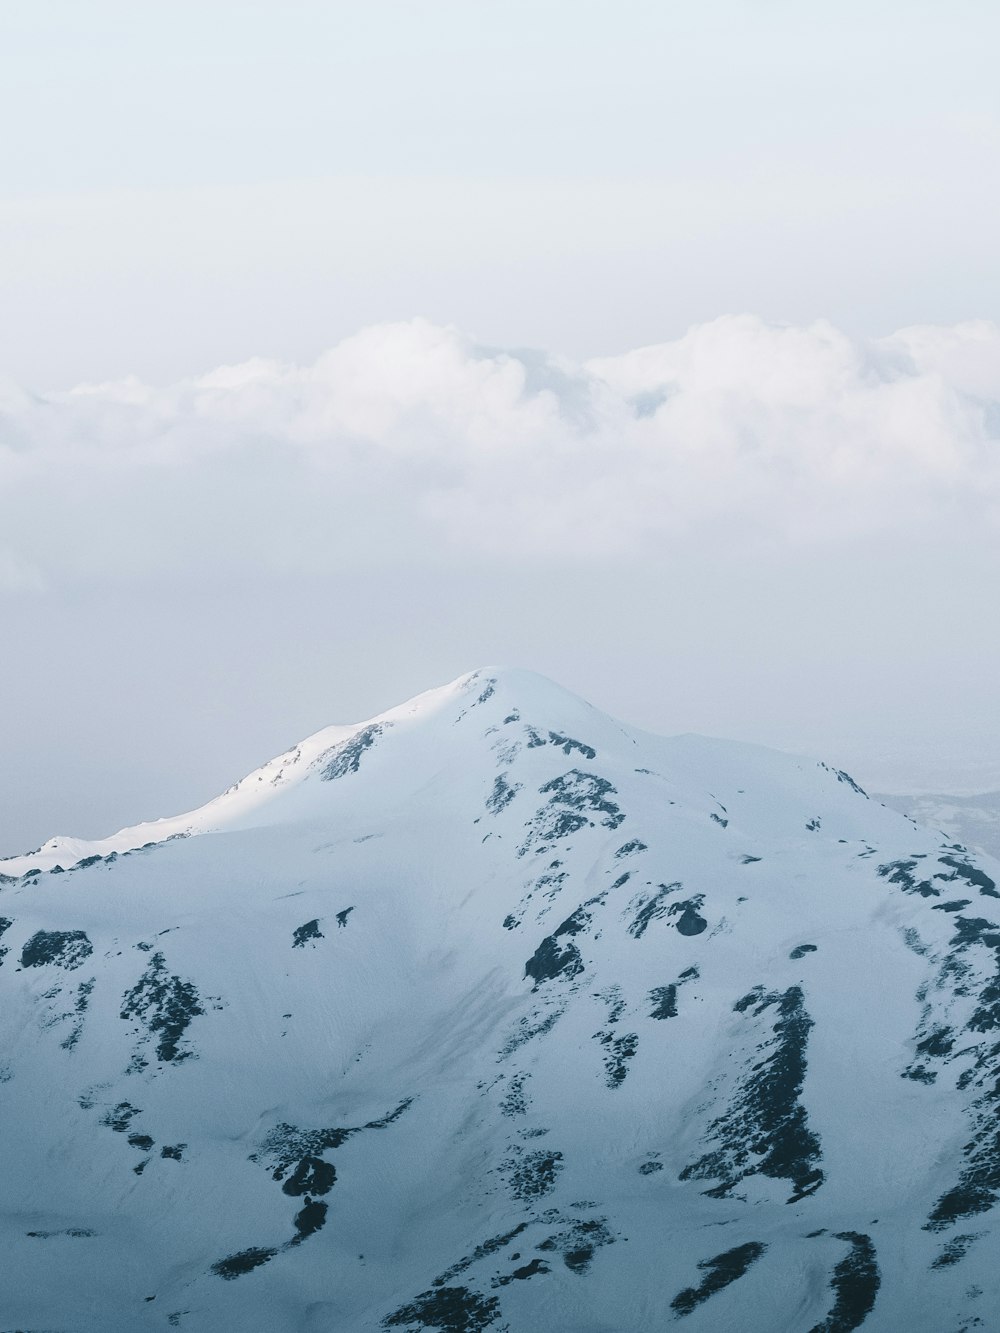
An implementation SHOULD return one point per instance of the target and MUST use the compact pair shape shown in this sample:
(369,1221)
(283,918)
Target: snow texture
(493,1014)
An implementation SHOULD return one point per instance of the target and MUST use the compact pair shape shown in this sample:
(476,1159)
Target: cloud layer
(412,443)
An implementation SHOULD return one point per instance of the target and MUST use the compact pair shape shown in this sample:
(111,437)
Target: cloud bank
(412,443)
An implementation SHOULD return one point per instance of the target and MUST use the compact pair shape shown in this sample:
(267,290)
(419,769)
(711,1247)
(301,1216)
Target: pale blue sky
(236,91)
(187,184)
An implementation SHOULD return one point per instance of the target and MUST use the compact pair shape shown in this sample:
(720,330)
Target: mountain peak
(251,796)
(558,1025)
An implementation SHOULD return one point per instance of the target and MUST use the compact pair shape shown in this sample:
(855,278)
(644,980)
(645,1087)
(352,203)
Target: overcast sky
(273,452)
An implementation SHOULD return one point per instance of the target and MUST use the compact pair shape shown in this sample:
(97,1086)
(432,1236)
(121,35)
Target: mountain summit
(494,1014)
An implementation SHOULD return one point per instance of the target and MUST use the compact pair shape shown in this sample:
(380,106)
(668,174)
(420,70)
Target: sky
(347,347)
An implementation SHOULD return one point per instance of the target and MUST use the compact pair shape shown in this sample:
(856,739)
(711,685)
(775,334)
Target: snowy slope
(492,1013)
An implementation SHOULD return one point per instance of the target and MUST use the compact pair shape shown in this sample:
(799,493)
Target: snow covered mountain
(491,1013)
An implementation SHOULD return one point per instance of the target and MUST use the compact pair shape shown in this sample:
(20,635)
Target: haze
(272,453)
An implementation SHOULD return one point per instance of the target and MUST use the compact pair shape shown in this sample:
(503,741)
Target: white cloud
(411,443)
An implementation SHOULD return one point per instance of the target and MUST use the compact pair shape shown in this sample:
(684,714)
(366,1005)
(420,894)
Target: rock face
(492,1014)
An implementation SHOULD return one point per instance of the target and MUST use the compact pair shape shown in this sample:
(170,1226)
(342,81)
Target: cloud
(412,443)
(19,576)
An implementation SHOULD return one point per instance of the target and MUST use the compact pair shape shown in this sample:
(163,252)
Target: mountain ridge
(301,757)
(503,1015)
